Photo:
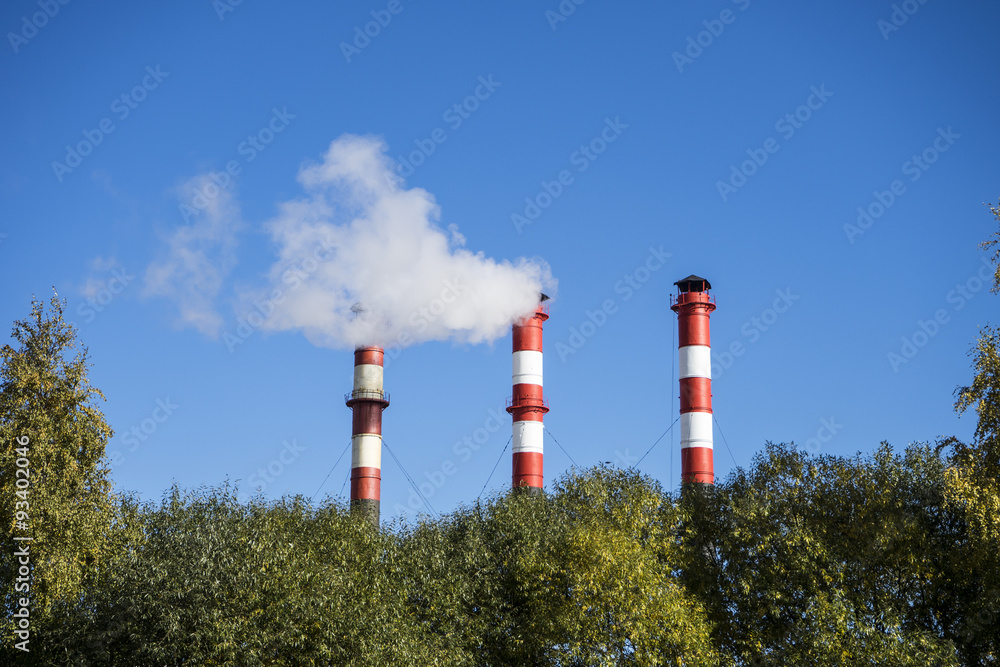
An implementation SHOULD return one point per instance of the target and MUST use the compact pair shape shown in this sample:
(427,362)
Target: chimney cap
(543,297)
(693,283)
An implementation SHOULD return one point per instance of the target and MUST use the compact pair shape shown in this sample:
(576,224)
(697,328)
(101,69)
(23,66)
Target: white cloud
(198,258)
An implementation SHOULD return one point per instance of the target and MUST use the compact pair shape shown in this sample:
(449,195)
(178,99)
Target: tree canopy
(870,560)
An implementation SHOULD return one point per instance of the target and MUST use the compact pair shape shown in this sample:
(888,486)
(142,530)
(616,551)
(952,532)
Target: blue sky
(705,165)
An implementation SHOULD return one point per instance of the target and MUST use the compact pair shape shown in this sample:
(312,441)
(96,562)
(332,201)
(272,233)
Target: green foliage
(973,490)
(830,561)
(209,581)
(984,396)
(990,243)
(580,577)
(799,560)
(615,590)
(47,401)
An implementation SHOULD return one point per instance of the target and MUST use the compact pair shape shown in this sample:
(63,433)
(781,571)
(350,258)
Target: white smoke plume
(362,261)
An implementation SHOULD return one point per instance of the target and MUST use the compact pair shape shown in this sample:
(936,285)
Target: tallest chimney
(693,305)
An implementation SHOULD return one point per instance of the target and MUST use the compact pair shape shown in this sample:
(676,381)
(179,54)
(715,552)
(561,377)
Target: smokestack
(527,405)
(693,305)
(367,402)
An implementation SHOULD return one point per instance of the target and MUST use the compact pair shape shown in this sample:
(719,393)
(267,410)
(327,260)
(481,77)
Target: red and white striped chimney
(693,305)
(527,405)
(367,402)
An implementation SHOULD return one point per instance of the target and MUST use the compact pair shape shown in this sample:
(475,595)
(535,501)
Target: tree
(973,488)
(581,576)
(50,426)
(990,243)
(612,585)
(983,395)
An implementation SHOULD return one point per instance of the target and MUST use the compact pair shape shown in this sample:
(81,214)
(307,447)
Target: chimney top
(693,283)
